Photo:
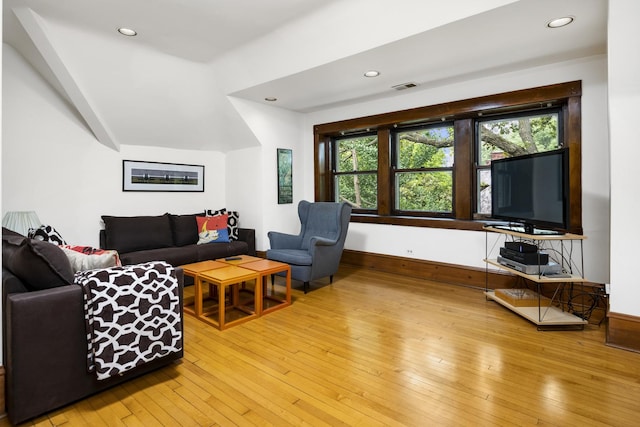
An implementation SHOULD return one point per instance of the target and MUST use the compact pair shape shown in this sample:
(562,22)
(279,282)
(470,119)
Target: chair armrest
(46,350)
(321,247)
(102,239)
(279,240)
(248,235)
(322,241)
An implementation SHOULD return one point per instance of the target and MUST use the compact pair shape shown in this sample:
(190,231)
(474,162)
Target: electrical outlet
(607,288)
(409,251)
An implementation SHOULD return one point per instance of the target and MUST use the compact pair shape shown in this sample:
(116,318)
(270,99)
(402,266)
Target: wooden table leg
(288,286)
(257,294)
(197,297)
(221,306)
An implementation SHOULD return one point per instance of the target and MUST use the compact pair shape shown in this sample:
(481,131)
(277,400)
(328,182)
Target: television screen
(532,190)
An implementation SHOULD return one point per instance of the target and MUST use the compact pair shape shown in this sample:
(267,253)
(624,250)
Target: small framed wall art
(157,176)
(285,176)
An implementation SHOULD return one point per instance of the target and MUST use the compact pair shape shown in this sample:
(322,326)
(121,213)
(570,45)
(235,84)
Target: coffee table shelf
(238,311)
(271,301)
(192,270)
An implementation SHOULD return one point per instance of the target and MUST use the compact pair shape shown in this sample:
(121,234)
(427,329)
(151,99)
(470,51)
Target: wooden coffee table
(234,273)
(265,268)
(239,260)
(193,270)
(229,276)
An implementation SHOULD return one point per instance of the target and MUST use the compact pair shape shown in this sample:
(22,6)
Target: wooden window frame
(396,169)
(335,172)
(463,114)
(508,116)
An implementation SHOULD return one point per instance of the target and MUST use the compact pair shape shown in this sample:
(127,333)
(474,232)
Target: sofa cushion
(175,256)
(41,265)
(7,234)
(137,233)
(221,250)
(212,229)
(11,241)
(184,229)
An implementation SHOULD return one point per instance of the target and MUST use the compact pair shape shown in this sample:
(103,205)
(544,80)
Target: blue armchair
(316,251)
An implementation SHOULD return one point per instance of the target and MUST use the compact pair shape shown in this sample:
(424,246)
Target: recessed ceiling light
(271,99)
(127,32)
(560,22)
(372,73)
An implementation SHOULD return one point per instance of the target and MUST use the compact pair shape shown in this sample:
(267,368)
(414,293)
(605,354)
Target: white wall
(51,163)
(624,97)
(71,179)
(274,128)
(468,247)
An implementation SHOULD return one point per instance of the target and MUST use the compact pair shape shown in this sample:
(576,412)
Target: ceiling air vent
(404,86)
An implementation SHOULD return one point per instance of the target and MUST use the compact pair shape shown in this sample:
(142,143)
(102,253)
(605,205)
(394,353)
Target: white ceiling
(172,84)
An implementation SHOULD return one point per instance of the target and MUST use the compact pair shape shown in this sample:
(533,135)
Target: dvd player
(550,268)
(521,247)
(529,258)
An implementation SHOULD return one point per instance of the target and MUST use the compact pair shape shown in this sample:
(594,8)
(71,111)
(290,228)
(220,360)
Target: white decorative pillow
(82,261)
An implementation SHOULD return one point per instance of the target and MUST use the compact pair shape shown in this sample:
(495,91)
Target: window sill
(448,223)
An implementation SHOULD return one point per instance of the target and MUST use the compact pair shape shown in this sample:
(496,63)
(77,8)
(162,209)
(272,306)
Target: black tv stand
(529,229)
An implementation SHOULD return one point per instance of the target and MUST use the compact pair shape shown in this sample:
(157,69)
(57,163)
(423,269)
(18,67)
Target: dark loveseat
(170,238)
(44,331)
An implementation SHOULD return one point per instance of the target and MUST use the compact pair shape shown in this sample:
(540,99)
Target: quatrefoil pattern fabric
(132,315)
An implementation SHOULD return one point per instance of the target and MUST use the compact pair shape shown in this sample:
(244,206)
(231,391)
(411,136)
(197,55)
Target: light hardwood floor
(377,349)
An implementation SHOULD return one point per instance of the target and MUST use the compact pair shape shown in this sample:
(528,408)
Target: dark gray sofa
(44,332)
(168,237)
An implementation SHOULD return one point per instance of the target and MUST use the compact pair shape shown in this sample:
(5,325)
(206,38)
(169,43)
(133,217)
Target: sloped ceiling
(172,84)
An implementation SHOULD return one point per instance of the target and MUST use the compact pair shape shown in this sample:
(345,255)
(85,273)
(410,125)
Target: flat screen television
(533,191)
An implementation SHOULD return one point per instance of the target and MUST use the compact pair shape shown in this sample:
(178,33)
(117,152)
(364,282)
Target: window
(430,166)
(356,172)
(423,170)
(509,136)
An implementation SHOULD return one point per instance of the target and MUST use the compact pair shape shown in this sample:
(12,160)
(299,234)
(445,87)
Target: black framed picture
(157,176)
(285,176)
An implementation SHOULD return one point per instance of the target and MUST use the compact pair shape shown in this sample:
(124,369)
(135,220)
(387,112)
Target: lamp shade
(21,221)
